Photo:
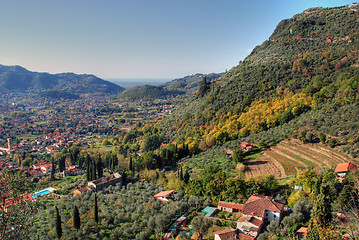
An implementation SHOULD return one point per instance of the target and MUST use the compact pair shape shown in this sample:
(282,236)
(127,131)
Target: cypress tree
(52,169)
(186,176)
(321,220)
(131,164)
(62,163)
(58,224)
(76,219)
(99,167)
(96,209)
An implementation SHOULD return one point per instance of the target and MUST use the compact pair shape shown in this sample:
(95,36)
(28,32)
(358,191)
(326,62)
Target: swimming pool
(46,191)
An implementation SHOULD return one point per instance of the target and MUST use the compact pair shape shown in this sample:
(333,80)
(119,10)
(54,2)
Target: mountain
(17,78)
(180,86)
(310,61)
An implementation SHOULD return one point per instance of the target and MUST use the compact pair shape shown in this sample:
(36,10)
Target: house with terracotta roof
(229,207)
(246,146)
(343,168)
(302,232)
(104,182)
(230,234)
(250,225)
(165,195)
(225,234)
(9,202)
(265,208)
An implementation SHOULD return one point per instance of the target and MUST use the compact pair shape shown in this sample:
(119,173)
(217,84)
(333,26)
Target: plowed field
(292,154)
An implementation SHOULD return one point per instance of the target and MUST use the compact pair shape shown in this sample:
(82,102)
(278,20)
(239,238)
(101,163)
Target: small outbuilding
(165,195)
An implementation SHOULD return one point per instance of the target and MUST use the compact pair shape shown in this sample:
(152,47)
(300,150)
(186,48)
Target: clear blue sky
(139,38)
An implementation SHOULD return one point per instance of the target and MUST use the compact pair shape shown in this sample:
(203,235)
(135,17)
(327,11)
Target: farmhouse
(343,168)
(246,146)
(265,208)
(104,182)
(165,195)
(229,207)
(302,232)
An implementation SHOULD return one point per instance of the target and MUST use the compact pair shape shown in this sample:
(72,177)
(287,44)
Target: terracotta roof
(244,236)
(345,167)
(303,230)
(13,201)
(226,234)
(230,205)
(164,193)
(256,205)
(2,164)
(255,221)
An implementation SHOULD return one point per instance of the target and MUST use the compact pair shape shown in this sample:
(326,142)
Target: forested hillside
(309,60)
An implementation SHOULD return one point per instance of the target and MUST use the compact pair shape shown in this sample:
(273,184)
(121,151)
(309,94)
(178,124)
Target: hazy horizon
(139,39)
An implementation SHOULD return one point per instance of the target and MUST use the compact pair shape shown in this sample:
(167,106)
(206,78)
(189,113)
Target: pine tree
(203,87)
(76,219)
(58,224)
(96,209)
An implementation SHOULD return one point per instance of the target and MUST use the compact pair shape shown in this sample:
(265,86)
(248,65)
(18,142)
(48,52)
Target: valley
(258,152)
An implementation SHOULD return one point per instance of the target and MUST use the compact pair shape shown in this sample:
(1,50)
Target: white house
(265,208)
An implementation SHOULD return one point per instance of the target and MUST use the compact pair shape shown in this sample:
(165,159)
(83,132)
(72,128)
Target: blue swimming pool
(46,191)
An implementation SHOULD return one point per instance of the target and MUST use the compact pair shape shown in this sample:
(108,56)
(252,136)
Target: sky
(132,39)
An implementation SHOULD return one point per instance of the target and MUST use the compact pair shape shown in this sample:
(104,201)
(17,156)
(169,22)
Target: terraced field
(292,154)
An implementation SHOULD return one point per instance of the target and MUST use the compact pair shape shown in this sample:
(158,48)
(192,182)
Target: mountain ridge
(17,78)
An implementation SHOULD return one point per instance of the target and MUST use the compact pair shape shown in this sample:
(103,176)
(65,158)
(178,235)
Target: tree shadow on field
(256,163)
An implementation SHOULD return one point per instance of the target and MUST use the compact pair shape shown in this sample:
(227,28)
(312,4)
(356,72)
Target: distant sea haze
(133,82)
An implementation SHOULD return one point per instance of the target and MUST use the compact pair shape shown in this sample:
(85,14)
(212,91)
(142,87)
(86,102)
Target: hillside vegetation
(309,60)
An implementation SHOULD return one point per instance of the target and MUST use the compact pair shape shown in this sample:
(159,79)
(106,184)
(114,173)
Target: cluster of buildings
(255,213)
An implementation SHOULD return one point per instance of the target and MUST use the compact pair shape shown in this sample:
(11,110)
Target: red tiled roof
(303,230)
(245,236)
(226,234)
(11,201)
(345,167)
(256,205)
(257,222)
(231,205)
(164,193)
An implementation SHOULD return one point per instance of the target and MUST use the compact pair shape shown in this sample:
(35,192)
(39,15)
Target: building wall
(270,216)
(247,224)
